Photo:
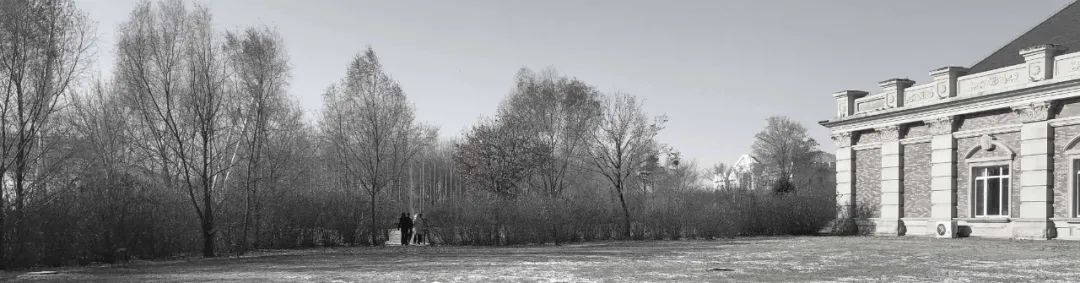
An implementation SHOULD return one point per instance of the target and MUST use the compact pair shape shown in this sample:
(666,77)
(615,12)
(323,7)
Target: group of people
(412,229)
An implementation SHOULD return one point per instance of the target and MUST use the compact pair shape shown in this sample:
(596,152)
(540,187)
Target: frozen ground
(742,259)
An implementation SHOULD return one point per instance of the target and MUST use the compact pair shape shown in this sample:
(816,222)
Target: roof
(1060,29)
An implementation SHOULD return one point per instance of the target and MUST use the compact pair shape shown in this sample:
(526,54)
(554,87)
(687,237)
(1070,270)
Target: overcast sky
(717,69)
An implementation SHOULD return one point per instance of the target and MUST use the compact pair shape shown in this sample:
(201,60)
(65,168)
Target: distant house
(740,174)
(992,150)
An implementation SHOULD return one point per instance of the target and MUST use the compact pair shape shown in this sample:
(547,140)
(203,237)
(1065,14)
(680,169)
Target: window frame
(1005,174)
(1074,186)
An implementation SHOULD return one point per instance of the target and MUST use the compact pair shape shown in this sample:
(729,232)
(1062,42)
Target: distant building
(992,150)
(740,175)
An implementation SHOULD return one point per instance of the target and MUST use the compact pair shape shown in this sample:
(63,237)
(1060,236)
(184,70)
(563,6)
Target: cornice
(1047,91)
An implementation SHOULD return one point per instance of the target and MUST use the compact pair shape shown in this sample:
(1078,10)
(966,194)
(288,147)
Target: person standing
(419,230)
(405,225)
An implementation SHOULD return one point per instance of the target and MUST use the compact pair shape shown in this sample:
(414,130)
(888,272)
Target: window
(991,193)
(1076,186)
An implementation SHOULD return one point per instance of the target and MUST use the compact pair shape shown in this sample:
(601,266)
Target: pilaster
(845,184)
(942,170)
(1036,176)
(892,191)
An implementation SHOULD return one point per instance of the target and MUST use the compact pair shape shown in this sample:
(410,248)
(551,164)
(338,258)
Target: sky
(716,69)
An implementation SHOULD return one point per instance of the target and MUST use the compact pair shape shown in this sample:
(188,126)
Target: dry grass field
(742,259)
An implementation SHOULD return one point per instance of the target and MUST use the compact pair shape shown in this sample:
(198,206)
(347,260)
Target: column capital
(842,139)
(1033,112)
(941,125)
(889,133)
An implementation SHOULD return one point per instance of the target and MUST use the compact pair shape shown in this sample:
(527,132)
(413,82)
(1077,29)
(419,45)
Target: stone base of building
(889,227)
(1005,228)
(1067,229)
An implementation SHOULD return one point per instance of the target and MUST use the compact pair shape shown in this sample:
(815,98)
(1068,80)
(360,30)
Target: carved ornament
(1033,112)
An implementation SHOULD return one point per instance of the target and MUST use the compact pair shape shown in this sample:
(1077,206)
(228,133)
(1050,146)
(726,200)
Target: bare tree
(622,144)
(261,65)
(721,174)
(560,112)
(174,72)
(43,50)
(496,156)
(374,127)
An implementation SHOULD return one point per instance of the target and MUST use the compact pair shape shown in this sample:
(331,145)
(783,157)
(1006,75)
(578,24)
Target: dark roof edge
(1018,37)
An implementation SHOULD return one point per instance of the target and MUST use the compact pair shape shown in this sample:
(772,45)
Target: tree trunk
(208,227)
(20,187)
(208,237)
(246,224)
(626,215)
(2,230)
(373,225)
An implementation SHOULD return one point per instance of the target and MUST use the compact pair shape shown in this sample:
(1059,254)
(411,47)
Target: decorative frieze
(920,95)
(997,80)
(1033,112)
(1067,66)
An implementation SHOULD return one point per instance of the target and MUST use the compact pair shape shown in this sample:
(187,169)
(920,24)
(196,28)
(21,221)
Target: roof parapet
(952,82)
(893,89)
(845,102)
(1040,60)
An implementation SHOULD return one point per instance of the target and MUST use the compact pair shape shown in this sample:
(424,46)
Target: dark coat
(404,223)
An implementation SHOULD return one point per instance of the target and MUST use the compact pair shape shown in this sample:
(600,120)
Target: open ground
(740,259)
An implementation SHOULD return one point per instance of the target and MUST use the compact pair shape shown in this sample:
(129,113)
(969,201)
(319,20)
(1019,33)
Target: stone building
(992,150)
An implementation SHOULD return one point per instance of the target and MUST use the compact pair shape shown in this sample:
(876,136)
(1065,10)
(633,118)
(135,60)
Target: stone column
(942,172)
(892,175)
(1036,177)
(845,185)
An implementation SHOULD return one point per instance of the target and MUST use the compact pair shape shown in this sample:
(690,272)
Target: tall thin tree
(43,50)
(622,144)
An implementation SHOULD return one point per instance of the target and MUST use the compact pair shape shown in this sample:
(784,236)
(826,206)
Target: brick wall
(917,130)
(1062,135)
(917,180)
(868,183)
(867,137)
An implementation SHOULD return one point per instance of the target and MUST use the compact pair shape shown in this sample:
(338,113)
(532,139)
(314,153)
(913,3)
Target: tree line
(193,145)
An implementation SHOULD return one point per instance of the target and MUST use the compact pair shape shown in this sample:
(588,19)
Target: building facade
(739,176)
(990,151)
